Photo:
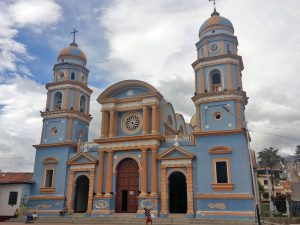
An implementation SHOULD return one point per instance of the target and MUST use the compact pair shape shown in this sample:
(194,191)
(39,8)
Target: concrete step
(119,220)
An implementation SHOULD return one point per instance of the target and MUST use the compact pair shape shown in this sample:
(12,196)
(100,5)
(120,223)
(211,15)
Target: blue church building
(146,154)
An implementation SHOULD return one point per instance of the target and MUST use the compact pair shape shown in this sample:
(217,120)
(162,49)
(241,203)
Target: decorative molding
(186,155)
(225,196)
(222,186)
(225,213)
(47,189)
(50,160)
(220,150)
(220,132)
(46,197)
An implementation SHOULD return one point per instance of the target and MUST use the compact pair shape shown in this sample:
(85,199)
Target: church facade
(146,154)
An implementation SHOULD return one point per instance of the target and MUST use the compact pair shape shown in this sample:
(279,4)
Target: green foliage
(265,210)
(269,158)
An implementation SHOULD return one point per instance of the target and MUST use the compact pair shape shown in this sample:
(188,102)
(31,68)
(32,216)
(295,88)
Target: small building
(14,190)
(281,184)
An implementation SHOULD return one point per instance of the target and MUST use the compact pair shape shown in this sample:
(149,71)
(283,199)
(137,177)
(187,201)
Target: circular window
(54,131)
(214,48)
(61,74)
(217,116)
(131,122)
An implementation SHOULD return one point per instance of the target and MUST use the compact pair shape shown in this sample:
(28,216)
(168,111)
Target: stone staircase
(130,219)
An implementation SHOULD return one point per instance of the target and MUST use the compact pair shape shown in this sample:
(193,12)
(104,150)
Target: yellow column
(100,172)
(145,120)
(189,187)
(91,191)
(102,132)
(111,123)
(202,81)
(229,77)
(222,46)
(238,115)
(115,131)
(76,100)
(69,129)
(164,209)
(154,119)
(70,191)
(66,100)
(109,175)
(154,188)
(144,172)
(206,49)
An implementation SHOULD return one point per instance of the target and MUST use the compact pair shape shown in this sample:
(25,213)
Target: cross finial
(74,33)
(215,8)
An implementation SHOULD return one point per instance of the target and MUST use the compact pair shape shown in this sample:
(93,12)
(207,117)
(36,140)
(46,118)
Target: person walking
(148,216)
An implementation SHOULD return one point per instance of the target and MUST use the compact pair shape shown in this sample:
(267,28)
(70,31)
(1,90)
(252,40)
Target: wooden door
(127,186)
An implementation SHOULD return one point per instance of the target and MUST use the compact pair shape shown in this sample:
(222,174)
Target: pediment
(82,158)
(175,153)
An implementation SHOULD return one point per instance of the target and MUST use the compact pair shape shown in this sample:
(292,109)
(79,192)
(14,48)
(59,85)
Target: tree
(269,158)
(297,151)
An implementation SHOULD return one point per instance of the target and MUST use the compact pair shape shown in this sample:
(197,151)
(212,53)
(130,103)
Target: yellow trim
(50,160)
(187,155)
(46,197)
(226,213)
(221,186)
(225,196)
(47,189)
(220,150)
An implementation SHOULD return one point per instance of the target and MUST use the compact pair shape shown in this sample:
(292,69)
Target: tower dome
(72,54)
(216,24)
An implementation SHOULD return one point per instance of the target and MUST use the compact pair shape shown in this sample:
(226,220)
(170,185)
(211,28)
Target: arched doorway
(127,186)
(177,193)
(81,194)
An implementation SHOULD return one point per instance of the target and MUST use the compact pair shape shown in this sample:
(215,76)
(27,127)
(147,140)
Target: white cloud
(22,99)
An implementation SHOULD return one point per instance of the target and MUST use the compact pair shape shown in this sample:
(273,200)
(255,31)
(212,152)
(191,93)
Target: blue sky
(153,41)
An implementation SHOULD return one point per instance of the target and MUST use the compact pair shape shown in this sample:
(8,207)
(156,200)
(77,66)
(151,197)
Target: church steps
(117,220)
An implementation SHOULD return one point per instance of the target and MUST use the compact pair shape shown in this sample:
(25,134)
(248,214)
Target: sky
(153,41)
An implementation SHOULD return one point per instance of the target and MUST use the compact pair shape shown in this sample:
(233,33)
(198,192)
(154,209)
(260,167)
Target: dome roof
(216,20)
(193,121)
(72,52)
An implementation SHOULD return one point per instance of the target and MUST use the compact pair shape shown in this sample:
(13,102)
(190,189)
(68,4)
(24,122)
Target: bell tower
(219,95)
(65,122)
(67,117)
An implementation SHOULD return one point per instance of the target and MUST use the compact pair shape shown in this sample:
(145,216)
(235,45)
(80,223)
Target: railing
(182,139)
(217,87)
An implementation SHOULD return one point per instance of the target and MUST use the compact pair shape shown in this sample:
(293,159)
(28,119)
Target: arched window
(57,100)
(82,103)
(170,121)
(72,76)
(228,47)
(216,81)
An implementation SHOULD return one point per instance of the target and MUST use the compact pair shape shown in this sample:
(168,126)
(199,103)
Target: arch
(125,85)
(72,76)
(82,104)
(170,121)
(127,186)
(119,159)
(216,80)
(180,123)
(177,192)
(57,100)
(82,183)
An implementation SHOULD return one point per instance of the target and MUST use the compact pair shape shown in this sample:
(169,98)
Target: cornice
(67,83)
(67,114)
(54,145)
(71,65)
(129,138)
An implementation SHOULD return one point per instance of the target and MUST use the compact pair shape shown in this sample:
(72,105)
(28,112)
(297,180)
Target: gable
(82,158)
(175,153)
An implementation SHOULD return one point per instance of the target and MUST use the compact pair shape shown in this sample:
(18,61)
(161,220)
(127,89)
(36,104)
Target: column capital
(154,147)
(144,149)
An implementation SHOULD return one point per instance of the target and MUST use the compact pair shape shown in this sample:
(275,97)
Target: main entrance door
(177,193)
(127,186)
(81,194)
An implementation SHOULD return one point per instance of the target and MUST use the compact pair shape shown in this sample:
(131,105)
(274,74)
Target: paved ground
(295,180)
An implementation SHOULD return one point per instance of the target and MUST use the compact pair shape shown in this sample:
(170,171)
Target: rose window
(131,122)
